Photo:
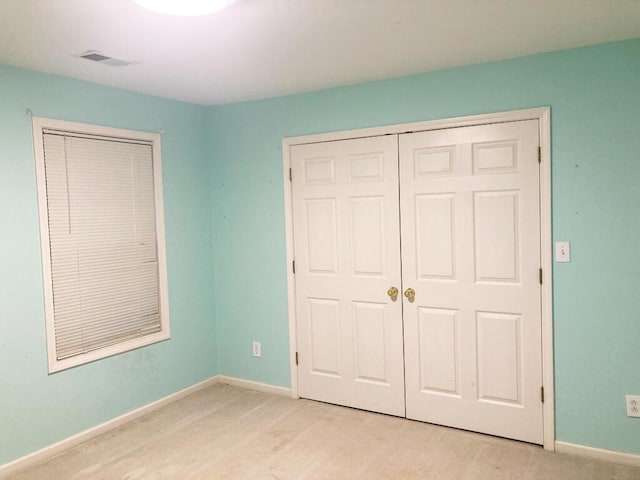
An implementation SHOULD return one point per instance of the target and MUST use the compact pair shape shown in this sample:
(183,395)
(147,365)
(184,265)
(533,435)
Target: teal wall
(224,208)
(594,94)
(37,409)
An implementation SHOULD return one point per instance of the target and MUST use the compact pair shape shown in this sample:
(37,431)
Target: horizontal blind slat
(70,338)
(103,246)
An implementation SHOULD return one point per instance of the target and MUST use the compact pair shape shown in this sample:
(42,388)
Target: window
(102,232)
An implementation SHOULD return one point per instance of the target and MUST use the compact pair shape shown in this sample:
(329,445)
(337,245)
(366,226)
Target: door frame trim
(543,116)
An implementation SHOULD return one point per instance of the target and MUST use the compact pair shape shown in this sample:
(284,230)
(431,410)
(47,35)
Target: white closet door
(471,251)
(347,256)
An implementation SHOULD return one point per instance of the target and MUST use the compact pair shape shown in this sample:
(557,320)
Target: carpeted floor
(224,432)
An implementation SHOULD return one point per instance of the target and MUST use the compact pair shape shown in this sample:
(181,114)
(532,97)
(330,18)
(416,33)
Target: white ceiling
(265,48)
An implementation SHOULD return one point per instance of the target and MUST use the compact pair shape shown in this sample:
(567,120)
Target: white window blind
(103,246)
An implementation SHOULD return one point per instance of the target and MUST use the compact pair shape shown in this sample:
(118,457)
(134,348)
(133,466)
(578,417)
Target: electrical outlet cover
(633,405)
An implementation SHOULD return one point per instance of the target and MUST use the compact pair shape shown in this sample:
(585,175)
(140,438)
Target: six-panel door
(347,251)
(471,251)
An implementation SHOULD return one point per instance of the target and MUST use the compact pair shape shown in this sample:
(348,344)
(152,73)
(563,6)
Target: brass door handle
(392,292)
(410,293)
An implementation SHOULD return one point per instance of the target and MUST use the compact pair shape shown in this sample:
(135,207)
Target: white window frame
(39,125)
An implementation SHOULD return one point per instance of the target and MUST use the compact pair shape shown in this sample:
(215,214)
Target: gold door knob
(392,292)
(410,293)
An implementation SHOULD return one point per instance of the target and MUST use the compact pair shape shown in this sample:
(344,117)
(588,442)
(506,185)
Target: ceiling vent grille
(98,57)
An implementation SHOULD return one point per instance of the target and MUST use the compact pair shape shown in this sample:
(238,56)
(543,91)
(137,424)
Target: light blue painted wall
(594,94)
(37,409)
(595,103)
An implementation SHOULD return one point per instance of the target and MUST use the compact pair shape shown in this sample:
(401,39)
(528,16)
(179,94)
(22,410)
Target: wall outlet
(257,349)
(633,405)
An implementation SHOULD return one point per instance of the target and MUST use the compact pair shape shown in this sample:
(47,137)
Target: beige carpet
(224,432)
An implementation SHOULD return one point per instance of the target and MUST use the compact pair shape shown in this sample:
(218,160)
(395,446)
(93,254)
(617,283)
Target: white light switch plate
(257,349)
(563,252)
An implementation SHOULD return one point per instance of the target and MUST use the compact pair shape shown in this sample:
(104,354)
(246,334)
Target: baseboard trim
(38,456)
(251,385)
(612,456)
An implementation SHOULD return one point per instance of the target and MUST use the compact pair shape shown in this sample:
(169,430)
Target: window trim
(40,124)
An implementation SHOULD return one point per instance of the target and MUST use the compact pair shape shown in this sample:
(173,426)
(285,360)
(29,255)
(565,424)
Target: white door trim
(542,115)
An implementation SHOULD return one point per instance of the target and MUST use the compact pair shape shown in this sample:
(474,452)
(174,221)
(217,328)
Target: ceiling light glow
(185,7)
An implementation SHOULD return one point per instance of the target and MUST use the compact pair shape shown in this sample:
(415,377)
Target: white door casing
(347,251)
(471,251)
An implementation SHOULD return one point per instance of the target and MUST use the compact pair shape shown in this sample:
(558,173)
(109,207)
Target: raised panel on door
(322,240)
(366,219)
(369,341)
(471,251)
(324,336)
(496,249)
(439,346)
(435,233)
(347,252)
(499,356)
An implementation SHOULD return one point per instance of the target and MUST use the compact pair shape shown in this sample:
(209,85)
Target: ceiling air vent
(95,56)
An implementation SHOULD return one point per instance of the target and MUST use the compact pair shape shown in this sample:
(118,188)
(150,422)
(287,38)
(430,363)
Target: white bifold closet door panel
(347,255)
(471,251)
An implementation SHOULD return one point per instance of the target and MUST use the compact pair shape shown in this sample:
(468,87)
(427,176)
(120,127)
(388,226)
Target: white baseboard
(620,458)
(250,385)
(82,437)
